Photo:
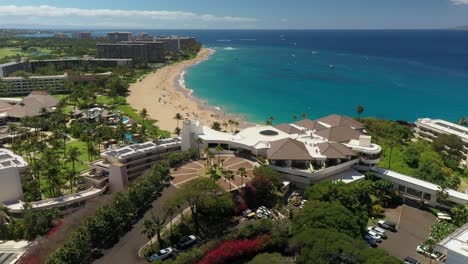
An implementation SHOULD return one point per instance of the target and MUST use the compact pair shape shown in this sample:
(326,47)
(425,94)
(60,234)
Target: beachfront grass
(9,52)
(82,164)
(397,162)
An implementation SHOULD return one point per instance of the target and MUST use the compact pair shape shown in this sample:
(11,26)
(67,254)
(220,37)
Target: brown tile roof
(335,150)
(32,105)
(339,134)
(5,106)
(337,120)
(309,124)
(288,149)
(288,129)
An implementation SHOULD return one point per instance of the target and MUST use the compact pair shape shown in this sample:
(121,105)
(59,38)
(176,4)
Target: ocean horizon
(393,74)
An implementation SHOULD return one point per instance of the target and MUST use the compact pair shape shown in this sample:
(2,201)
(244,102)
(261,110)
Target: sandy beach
(163,94)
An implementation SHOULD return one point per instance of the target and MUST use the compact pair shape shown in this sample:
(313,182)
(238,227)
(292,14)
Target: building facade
(17,86)
(139,51)
(455,246)
(429,129)
(8,68)
(81,35)
(117,166)
(11,167)
(119,36)
(174,43)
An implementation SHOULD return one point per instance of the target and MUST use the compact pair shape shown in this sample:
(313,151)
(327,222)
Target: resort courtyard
(199,168)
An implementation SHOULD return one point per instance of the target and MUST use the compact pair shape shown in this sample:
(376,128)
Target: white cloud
(46,11)
(459,2)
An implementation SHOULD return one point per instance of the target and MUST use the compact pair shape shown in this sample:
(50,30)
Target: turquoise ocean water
(258,81)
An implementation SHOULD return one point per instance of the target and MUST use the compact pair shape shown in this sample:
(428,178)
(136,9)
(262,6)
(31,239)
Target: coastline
(164,94)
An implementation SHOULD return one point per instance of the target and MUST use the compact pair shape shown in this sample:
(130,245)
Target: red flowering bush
(230,250)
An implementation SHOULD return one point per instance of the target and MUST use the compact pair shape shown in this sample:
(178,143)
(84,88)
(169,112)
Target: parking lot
(414,226)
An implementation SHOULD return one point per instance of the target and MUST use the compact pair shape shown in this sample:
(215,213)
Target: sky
(234,14)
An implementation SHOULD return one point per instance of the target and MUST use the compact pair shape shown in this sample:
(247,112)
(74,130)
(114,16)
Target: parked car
(410,260)
(379,231)
(424,250)
(246,212)
(375,236)
(370,241)
(263,212)
(387,225)
(163,254)
(187,241)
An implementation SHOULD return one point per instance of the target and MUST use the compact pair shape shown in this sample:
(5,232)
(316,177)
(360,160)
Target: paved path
(125,251)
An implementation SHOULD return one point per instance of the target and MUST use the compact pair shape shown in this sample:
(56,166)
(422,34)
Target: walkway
(125,251)
(197,169)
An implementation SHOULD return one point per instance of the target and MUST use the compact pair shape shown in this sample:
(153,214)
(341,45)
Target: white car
(378,230)
(163,254)
(374,235)
(424,250)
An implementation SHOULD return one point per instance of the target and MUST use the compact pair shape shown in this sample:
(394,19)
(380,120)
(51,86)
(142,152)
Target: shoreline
(164,94)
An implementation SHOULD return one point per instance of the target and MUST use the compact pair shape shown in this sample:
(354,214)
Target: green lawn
(463,184)
(398,163)
(7,52)
(82,164)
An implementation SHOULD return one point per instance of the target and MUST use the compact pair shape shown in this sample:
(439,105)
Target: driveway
(414,226)
(126,250)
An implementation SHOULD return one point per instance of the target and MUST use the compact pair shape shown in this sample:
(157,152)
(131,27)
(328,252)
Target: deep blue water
(394,74)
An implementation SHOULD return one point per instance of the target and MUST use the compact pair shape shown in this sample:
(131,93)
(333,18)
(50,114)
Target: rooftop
(131,150)
(457,241)
(342,133)
(337,120)
(33,104)
(445,127)
(288,149)
(8,159)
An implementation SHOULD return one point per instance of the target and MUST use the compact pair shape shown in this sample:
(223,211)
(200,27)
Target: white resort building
(11,167)
(307,150)
(429,129)
(455,246)
(118,166)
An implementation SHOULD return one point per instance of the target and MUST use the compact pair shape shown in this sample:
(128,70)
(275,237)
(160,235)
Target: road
(126,250)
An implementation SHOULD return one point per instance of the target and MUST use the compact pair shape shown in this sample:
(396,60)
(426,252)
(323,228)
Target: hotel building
(306,150)
(119,36)
(139,51)
(429,129)
(11,167)
(129,162)
(17,86)
(455,246)
(175,43)
(8,68)
(81,35)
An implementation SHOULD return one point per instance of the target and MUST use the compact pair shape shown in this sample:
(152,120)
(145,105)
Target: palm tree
(177,131)
(143,115)
(199,142)
(219,149)
(158,222)
(242,172)
(304,115)
(228,175)
(73,156)
(360,110)
(12,129)
(213,174)
(463,121)
(178,117)
(295,118)
(149,230)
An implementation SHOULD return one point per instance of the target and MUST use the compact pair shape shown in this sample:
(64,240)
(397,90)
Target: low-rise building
(129,162)
(309,150)
(11,167)
(33,105)
(429,129)
(81,35)
(455,246)
(17,86)
(119,36)
(8,68)
(61,35)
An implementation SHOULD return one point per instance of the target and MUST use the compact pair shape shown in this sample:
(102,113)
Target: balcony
(369,161)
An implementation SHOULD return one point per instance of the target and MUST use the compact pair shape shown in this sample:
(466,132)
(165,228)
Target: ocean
(393,74)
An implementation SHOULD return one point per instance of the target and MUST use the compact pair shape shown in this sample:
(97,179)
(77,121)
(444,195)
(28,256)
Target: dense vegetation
(103,229)
(432,162)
